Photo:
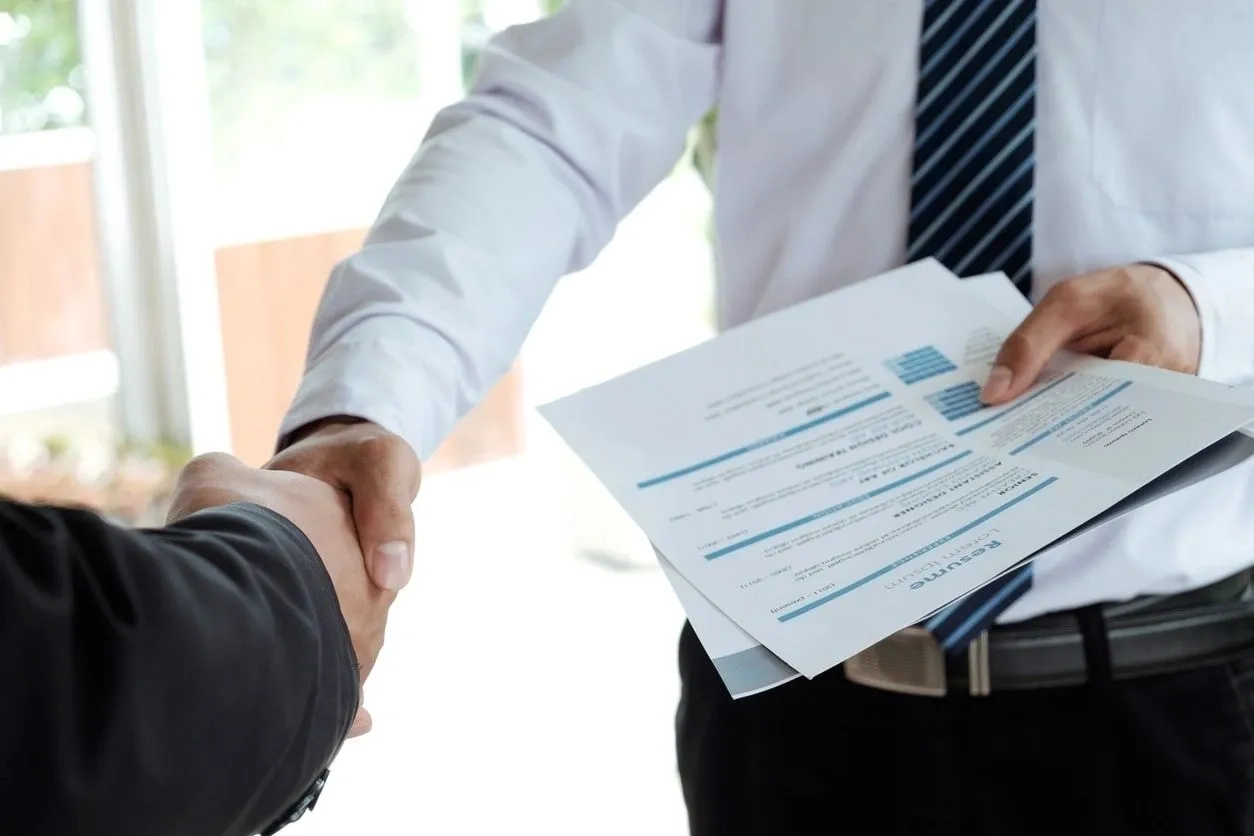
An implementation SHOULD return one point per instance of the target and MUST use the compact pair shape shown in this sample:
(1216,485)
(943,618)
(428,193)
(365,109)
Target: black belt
(1146,636)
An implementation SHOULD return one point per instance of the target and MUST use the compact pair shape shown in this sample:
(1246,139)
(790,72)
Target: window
(41,83)
(554,693)
(58,375)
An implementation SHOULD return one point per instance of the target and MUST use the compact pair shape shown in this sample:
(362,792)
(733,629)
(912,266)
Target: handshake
(348,485)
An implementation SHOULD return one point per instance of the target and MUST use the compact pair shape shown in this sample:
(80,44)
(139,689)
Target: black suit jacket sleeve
(187,680)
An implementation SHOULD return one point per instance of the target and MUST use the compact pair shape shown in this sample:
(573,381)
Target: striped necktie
(971,192)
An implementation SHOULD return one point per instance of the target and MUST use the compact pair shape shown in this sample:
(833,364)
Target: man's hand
(379,472)
(322,513)
(1141,314)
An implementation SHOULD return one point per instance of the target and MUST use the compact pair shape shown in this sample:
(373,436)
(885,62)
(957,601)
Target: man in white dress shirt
(1101,152)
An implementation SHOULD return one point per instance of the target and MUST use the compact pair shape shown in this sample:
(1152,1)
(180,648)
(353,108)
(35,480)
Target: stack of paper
(823,477)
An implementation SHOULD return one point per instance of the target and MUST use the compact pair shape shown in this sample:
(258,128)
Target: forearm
(571,122)
(1222,286)
(190,680)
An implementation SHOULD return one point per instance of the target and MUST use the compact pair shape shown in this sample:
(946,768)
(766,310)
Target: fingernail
(998,382)
(392,565)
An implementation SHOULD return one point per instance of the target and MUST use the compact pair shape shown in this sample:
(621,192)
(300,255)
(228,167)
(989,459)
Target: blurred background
(176,181)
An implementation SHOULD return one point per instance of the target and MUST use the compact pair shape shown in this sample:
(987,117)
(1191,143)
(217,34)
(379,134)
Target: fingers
(381,473)
(372,627)
(1069,311)
(202,484)
(1097,343)
(362,723)
(211,466)
(1133,349)
(322,509)
(382,499)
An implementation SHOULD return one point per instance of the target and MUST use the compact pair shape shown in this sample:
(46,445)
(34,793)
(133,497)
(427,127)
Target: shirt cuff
(1222,286)
(374,380)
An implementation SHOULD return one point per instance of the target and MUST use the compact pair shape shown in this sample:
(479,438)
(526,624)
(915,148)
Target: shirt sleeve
(193,680)
(571,121)
(1222,286)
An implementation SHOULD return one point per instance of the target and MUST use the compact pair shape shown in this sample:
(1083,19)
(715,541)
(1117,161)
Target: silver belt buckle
(911,661)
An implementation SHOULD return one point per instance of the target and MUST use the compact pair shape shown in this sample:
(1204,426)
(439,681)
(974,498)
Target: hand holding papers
(827,475)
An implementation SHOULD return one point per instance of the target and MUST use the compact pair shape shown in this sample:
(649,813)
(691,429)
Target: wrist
(1195,288)
(313,427)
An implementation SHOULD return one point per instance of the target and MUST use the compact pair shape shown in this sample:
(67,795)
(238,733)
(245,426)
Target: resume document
(815,480)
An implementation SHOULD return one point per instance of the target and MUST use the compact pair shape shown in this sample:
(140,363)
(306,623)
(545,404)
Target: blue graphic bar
(910,378)
(1065,421)
(897,564)
(1013,407)
(922,365)
(920,378)
(749,448)
(960,394)
(916,360)
(919,365)
(957,401)
(817,515)
(952,411)
(957,413)
(927,351)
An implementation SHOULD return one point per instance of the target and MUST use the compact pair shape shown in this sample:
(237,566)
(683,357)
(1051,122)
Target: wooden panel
(51,302)
(268,293)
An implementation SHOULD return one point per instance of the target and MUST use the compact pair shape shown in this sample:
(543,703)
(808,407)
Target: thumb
(385,526)
(1048,328)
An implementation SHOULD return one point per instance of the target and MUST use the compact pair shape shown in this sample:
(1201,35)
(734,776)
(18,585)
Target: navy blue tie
(971,191)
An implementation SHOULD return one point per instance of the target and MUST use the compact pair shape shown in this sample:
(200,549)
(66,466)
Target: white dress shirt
(1145,151)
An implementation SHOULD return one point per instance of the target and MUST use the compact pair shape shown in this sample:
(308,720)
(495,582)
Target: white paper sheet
(826,475)
(744,664)
(747,667)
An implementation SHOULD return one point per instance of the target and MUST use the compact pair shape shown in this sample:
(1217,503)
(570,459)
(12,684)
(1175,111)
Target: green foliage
(169,454)
(262,55)
(286,46)
(58,445)
(39,56)
(267,56)
(705,146)
(475,32)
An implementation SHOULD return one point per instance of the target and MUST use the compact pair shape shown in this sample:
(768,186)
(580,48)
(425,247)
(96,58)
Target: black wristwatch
(303,805)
